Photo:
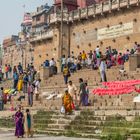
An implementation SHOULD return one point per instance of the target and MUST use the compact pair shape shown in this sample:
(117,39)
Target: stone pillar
(65,49)
(44,73)
(66,40)
(133,63)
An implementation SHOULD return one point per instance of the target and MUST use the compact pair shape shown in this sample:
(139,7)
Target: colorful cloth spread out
(113,91)
(117,87)
(120,84)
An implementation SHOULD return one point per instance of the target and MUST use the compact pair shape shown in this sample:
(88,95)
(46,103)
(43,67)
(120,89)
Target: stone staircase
(7,84)
(52,122)
(108,117)
(56,84)
(91,123)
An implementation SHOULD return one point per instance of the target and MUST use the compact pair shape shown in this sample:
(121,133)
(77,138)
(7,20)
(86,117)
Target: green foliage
(136,137)
(7,122)
(117,136)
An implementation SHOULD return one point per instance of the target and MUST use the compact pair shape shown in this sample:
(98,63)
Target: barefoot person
(19,132)
(28,124)
(67,102)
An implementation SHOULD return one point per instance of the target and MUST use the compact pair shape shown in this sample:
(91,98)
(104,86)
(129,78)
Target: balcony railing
(93,10)
(42,36)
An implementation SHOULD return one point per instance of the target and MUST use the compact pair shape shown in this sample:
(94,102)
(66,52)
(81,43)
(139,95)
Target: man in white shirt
(72,91)
(52,66)
(103,70)
(63,62)
(69,61)
(97,50)
(52,62)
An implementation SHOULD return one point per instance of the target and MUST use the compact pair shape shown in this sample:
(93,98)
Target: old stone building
(9,47)
(16,48)
(111,23)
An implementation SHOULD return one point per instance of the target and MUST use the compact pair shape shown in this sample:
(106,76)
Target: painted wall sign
(115,31)
(90,35)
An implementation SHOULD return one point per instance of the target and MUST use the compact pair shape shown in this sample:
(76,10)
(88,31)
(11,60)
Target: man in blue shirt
(15,77)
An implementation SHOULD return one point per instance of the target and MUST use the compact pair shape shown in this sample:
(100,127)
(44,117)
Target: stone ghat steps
(93,78)
(98,102)
(85,74)
(92,125)
(7,84)
(59,132)
(60,89)
(60,81)
(86,123)
(102,102)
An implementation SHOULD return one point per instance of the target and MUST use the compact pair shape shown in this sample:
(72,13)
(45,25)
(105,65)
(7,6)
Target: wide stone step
(121,129)
(82,127)
(57,126)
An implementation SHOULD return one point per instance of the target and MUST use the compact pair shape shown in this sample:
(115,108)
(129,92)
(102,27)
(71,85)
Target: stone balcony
(42,36)
(93,10)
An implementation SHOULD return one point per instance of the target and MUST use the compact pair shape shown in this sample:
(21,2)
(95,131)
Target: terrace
(93,10)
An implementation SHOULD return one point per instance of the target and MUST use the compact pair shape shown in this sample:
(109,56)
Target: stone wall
(14,55)
(122,28)
(85,33)
(46,49)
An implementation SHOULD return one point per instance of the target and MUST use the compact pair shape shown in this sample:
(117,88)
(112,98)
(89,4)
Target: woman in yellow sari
(67,102)
(20,82)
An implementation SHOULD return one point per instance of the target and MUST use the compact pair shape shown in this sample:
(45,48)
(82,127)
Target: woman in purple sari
(19,132)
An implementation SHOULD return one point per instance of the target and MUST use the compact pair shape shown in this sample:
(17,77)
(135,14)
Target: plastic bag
(62,110)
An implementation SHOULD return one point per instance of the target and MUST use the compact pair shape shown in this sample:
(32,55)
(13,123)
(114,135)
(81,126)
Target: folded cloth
(59,95)
(51,96)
